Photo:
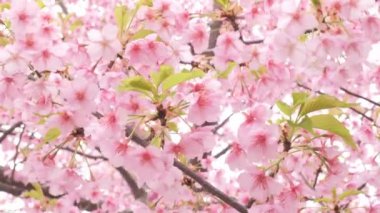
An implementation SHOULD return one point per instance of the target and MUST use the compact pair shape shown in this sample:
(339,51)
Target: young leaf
(286,109)
(75,25)
(5,5)
(348,193)
(164,72)
(223,3)
(299,97)
(181,77)
(124,16)
(51,134)
(40,3)
(138,84)
(121,16)
(316,3)
(142,33)
(35,193)
(330,123)
(226,73)
(172,126)
(321,102)
(307,124)
(156,141)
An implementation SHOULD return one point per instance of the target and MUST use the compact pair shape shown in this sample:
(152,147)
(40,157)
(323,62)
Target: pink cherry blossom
(103,44)
(258,184)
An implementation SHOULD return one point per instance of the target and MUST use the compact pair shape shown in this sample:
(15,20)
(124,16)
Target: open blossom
(81,96)
(147,51)
(198,36)
(103,44)
(255,117)
(23,15)
(258,184)
(237,158)
(14,58)
(207,101)
(261,142)
(50,57)
(147,163)
(197,142)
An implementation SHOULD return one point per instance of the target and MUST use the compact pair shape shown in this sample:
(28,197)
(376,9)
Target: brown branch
(9,131)
(63,6)
(210,188)
(17,152)
(89,156)
(138,193)
(17,188)
(359,96)
(206,185)
(225,150)
(318,172)
(224,122)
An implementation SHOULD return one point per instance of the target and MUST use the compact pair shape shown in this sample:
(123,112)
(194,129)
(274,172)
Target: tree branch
(9,131)
(17,188)
(206,185)
(138,193)
(359,96)
(210,188)
(63,6)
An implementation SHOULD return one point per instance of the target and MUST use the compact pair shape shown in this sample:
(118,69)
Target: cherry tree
(189,106)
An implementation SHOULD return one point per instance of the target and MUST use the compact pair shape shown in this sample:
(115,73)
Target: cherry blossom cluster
(189,105)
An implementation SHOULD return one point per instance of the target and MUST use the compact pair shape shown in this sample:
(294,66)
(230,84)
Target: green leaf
(35,193)
(286,109)
(321,102)
(123,17)
(156,141)
(307,124)
(323,200)
(172,126)
(4,41)
(299,97)
(330,123)
(5,5)
(142,33)
(224,74)
(181,77)
(164,72)
(258,73)
(40,3)
(348,193)
(316,3)
(51,134)
(75,25)
(148,3)
(223,3)
(138,84)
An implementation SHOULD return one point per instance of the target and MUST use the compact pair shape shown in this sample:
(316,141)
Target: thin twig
(210,188)
(9,131)
(225,150)
(224,122)
(359,96)
(138,193)
(93,157)
(63,6)
(17,152)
